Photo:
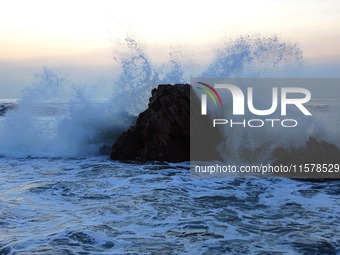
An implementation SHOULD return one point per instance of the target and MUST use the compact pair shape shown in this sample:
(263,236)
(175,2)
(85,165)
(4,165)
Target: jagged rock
(162,132)
(204,138)
(314,152)
(4,108)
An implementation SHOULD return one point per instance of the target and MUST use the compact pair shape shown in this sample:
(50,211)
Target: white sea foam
(71,206)
(57,118)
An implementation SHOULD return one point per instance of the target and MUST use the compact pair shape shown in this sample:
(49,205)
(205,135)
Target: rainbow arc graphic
(213,94)
(210,93)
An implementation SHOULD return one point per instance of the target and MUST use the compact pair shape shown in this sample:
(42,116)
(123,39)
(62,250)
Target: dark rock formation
(162,132)
(4,108)
(204,138)
(314,152)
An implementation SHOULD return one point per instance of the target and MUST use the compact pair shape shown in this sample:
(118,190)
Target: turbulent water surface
(57,196)
(93,206)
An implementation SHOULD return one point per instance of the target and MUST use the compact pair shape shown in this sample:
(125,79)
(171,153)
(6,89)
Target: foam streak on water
(91,206)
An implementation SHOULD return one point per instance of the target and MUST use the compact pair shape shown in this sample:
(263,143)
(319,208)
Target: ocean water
(94,206)
(59,196)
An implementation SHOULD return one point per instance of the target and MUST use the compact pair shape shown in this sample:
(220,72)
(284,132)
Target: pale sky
(80,32)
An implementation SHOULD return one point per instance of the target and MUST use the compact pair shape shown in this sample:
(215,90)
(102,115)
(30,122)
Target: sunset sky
(80,34)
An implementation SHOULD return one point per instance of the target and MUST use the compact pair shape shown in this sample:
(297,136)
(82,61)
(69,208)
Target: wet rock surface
(161,132)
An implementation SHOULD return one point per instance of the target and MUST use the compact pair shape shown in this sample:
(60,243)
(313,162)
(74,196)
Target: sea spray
(254,56)
(139,74)
(69,122)
(29,130)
